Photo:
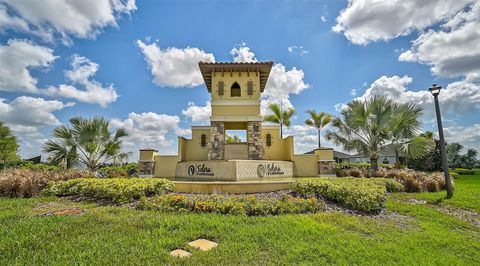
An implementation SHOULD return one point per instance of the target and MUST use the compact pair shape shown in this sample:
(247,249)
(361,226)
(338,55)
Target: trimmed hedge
(463,171)
(367,195)
(116,190)
(236,205)
(346,165)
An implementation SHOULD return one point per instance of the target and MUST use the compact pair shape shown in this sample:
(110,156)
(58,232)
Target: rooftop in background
(262,68)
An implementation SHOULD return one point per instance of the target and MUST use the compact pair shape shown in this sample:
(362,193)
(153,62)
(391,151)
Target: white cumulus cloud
(175,67)
(458,97)
(364,21)
(83,69)
(150,130)
(198,113)
(19,57)
(281,83)
(26,116)
(453,49)
(62,18)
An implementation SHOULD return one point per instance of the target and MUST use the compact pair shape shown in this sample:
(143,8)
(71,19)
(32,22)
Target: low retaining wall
(231,187)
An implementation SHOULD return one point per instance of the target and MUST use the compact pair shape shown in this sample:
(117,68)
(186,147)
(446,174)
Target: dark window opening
(250,87)
(235,90)
(220,88)
(269,140)
(203,140)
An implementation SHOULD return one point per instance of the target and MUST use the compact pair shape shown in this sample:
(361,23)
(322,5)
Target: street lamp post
(435,90)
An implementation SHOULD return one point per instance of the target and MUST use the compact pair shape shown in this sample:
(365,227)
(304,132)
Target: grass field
(408,233)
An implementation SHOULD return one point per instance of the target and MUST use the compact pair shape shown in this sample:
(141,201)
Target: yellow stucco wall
(194,151)
(306,165)
(236,110)
(147,155)
(165,165)
(241,78)
(324,154)
(279,149)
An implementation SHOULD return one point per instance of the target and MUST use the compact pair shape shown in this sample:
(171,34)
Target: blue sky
(328,53)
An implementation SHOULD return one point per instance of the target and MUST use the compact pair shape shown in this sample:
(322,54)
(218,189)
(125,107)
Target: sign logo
(200,169)
(261,170)
(269,169)
(191,170)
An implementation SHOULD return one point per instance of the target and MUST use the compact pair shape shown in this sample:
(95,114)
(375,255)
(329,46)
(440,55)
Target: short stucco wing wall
(305,165)
(165,165)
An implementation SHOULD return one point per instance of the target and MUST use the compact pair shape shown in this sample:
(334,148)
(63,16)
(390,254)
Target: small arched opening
(235,90)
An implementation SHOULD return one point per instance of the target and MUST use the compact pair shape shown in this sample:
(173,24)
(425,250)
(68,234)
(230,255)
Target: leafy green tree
(279,116)
(318,121)
(8,146)
(88,141)
(232,139)
(368,126)
(453,153)
(469,159)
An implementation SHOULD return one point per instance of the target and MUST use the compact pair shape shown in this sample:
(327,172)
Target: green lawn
(407,234)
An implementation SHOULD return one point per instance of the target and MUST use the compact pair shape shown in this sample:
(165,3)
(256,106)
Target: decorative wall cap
(148,149)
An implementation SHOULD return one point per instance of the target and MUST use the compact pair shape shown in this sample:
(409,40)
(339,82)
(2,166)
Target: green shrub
(129,169)
(26,183)
(367,195)
(463,171)
(116,190)
(234,204)
(454,175)
(346,165)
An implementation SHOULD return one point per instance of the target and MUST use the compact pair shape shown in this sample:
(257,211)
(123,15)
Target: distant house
(387,155)
(339,157)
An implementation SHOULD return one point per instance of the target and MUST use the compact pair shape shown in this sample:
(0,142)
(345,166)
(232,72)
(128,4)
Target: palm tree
(318,121)
(88,141)
(368,126)
(405,127)
(279,117)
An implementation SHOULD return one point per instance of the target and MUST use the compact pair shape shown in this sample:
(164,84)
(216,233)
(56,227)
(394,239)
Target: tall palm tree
(88,141)
(368,126)
(405,128)
(318,121)
(279,117)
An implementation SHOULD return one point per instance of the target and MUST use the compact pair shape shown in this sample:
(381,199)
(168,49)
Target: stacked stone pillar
(254,139)
(216,145)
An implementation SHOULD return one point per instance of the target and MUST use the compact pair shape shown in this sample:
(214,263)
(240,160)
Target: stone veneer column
(254,139)
(146,168)
(217,141)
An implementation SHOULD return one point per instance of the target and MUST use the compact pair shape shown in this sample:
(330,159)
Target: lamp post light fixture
(435,90)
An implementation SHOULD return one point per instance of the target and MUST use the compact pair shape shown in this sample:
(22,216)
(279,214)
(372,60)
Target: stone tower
(235,90)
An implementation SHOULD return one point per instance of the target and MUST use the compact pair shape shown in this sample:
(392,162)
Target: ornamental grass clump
(26,183)
(366,195)
(413,181)
(115,190)
(250,205)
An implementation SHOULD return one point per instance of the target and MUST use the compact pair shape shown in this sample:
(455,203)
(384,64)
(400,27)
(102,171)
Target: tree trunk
(374,163)
(319,139)
(281,131)
(397,158)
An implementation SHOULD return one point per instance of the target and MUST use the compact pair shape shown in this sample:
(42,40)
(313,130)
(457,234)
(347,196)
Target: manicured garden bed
(405,233)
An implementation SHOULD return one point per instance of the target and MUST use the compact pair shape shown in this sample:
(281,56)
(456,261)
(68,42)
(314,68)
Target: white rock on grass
(202,244)
(180,253)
